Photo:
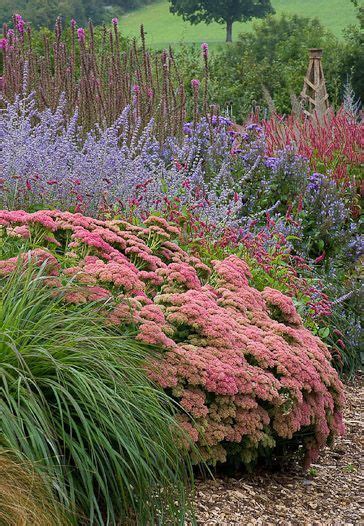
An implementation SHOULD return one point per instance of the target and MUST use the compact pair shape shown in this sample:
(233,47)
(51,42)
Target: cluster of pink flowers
(335,141)
(19,23)
(268,250)
(239,361)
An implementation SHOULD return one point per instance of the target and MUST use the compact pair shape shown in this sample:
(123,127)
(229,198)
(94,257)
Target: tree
(43,13)
(221,11)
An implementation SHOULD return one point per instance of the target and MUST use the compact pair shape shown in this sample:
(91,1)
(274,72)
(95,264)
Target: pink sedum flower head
(115,21)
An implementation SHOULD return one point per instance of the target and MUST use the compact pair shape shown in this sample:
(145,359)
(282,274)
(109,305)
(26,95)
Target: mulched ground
(331,493)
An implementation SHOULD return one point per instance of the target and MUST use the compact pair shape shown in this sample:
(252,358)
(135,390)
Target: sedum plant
(239,360)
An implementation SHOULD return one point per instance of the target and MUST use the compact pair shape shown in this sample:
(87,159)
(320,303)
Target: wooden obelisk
(314,94)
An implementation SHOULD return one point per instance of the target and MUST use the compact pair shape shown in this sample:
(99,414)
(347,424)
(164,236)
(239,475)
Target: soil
(331,492)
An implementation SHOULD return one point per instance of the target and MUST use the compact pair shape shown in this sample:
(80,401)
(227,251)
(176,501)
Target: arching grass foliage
(75,400)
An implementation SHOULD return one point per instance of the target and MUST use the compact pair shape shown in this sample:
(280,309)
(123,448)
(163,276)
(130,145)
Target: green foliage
(273,57)
(353,60)
(163,28)
(221,11)
(74,398)
(42,13)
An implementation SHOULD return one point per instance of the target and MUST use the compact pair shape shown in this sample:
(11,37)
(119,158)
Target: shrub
(42,14)
(329,303)
(25,497)
(76,402)
(238,360)
(274,57)
(353,61)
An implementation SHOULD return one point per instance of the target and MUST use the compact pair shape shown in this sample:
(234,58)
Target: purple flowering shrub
(238,360)
(45,163)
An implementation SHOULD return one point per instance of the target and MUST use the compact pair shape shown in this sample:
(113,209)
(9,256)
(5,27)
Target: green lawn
(163,28)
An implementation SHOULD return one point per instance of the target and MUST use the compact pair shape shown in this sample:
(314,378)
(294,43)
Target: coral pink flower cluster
(239,361)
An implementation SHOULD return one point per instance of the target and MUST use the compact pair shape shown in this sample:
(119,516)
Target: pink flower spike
(205,49)
(19,23)
(81,35)
(195,83)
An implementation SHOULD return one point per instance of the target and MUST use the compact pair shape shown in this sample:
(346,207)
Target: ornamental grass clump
(25,497)
(238,360)
(75,401)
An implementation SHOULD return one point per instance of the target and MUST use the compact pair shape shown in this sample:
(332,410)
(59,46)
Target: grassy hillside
(164,28)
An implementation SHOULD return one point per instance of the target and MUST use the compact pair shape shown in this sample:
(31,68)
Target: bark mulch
(330,493)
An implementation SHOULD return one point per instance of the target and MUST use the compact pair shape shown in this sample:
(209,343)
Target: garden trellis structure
(314,94)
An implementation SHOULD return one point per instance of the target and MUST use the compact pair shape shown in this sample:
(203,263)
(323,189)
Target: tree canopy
(221,11)
(42,13)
